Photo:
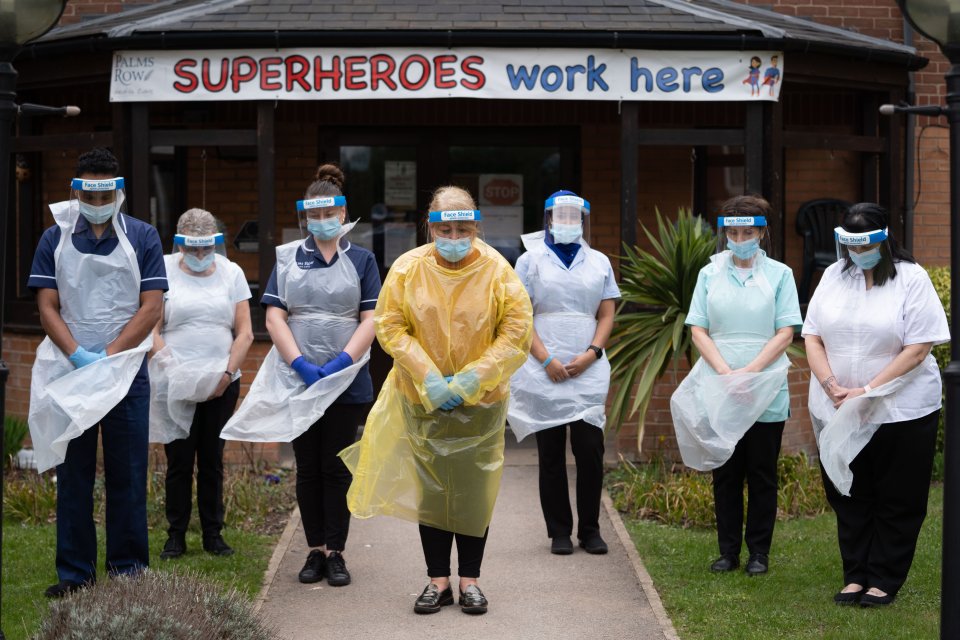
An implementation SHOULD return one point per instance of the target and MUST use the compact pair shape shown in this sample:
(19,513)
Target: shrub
(940,276)
(29,498)
(14,433)
(169,605)
(675,495)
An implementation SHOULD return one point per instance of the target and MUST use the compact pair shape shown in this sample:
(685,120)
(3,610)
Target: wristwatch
(597,351)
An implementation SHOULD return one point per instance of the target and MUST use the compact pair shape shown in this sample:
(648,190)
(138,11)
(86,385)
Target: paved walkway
(532,593)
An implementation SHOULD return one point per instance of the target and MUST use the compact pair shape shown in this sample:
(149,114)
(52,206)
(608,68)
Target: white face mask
(97,214)
(566,233)
(199,265)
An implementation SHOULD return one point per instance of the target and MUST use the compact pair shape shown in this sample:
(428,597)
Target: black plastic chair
(816,220)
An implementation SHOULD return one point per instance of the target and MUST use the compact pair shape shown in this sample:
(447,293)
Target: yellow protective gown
(415,461)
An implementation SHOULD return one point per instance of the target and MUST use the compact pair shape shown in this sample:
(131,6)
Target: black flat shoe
(594,544)
(473,601)
(217,546)
(849,598)
(432,599)
(869,600)
(64,588)
(313,568)
(757,564)
(724,564)
(175,546)
(335,570)
(561,546)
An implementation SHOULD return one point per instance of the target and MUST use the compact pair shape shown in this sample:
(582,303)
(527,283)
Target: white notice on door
(400,183)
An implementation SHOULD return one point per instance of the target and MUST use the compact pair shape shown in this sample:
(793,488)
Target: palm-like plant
(657,287)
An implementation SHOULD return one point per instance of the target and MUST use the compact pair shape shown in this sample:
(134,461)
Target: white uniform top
(863,330)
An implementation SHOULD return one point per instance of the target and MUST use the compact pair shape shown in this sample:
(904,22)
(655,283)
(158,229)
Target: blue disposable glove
(339,363)
(307,371)
(452,403)
(465,383)
(437,390)
(81,357)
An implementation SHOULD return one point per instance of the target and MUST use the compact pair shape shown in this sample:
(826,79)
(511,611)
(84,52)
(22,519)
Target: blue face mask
(744,250)
(96,214)
(566,233)
(866,260)
(198,265)
(324,229)
(453,250)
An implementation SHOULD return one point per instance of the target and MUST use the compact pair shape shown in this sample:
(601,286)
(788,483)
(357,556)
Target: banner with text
(391,73)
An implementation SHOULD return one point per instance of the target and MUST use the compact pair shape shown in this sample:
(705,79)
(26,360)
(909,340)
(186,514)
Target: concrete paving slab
(532,593)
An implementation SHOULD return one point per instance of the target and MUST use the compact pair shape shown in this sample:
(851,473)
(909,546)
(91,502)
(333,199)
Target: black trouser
(586,441)
(323,479)
(878,524)
(205,446)
(755,460)
(437,545)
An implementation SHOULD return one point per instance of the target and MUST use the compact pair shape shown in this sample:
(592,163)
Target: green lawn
(28,568)
(795,599)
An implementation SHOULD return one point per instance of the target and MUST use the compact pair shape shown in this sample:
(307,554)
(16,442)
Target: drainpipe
(911,150)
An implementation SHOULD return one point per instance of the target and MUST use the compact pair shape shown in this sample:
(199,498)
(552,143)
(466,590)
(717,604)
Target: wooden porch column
(266,191)
(139,161)
(629,139)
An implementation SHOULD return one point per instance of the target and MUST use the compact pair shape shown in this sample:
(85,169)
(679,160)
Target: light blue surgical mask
(744,250)
(566,233)
(868,259)
(96,214)
(453,250)
(198,265)
(324,229)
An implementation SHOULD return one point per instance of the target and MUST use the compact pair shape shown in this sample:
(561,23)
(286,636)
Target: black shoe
(64,588)
(594,544)
(217,546)
(335,570)
(725,563)
(432,599)
(561,546)
(868,600)
(849,598)
(473,601)
(757,564)
(175,546)
(313,568)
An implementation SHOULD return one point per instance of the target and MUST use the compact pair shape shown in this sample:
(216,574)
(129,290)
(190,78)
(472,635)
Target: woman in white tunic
(875,398)
(565,379)
(743,317)
(199,343)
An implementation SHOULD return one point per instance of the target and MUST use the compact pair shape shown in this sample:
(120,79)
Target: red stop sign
(502,192)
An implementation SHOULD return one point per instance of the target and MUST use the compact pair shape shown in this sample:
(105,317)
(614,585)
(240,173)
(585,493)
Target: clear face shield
(566,219)
(453,233)
(97,199)
(743,236)
(324,218)
(863,249)
(198,253)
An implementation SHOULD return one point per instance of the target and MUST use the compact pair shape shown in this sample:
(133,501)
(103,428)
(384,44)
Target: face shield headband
(859,239)
(320,203)
(459,215)
(198,241)
(741,221)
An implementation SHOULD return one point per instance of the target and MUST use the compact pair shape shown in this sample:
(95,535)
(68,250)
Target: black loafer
(335,570)
(848,598)
(869,600)
(473,601)
(217,546)
(724,564)
(64,588)
(313,568)
(175,546)
(561,546)
(757,564)
(594,544)
(432,599)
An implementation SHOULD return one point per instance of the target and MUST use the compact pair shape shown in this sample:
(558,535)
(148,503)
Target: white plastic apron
(323,314)
(565,303)
(711,413)
(98,297)
(843,436)
(198,332)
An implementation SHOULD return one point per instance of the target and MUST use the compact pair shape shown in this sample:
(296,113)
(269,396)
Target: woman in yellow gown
(457,321)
